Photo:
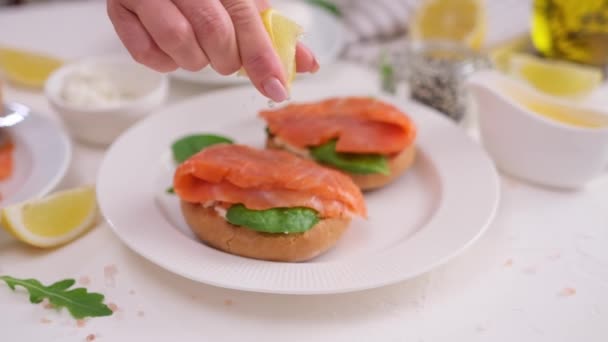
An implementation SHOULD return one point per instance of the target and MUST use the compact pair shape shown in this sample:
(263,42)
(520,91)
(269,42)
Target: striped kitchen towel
(381,25)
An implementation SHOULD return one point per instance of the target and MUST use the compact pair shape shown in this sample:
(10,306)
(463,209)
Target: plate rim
(487,217)
(52,179)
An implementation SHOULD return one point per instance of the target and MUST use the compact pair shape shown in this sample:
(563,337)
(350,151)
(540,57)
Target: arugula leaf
(350,162)
(78,301)
(190,145)
(333,9)
(275,220)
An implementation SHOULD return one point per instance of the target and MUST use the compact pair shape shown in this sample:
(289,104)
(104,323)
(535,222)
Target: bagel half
(398,164)
(214,230)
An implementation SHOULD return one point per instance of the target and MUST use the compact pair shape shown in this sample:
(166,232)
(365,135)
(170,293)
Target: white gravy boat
(533,147)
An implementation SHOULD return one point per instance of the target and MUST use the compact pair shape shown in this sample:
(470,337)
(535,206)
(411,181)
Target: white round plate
(432,213)
(42,154)
(323,34)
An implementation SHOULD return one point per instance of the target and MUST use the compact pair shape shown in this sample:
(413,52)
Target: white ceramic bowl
(532,147)
(100,123)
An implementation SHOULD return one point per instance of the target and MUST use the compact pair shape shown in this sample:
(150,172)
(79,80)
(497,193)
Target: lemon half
(53,220)
(284,34)
(557,78)
(453,20)
(27,69)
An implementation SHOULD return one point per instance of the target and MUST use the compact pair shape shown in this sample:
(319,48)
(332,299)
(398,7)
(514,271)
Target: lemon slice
(54,220)
(284,34)
(501,54)
(557,78)
(453,20)
(25,68)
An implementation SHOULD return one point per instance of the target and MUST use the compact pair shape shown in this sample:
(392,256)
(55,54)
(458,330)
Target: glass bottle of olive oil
(574,30)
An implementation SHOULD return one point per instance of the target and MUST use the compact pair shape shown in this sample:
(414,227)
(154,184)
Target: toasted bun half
(398,164)
(219,233)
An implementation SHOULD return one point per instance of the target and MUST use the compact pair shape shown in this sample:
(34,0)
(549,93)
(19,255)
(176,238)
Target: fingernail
(315,66)
(275,90)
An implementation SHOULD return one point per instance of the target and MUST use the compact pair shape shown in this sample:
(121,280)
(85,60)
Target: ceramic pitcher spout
(537,138)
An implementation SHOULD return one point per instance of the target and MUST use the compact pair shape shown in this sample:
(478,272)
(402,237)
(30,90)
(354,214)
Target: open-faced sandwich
(265,204)
(370,140)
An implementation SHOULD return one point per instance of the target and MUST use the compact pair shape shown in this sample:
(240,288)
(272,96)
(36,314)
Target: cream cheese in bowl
(93,88)
(98,98)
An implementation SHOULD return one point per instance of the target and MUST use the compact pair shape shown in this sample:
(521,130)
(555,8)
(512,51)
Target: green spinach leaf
(190,145)
(275,220)
(350,162)
(333,9)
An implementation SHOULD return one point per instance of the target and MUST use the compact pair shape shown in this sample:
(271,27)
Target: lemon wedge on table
(284,34)
(553,77)
(27,69)
(54,220)
(453,20)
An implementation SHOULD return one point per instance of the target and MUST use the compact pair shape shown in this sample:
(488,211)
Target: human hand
(192,34)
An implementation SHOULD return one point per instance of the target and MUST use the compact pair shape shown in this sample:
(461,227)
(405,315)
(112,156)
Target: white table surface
(540,273)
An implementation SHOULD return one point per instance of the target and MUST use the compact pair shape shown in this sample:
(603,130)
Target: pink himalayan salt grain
(45,320)
(46,304)
(84,280)
(90,337)
(508,263)
(81,323)
(109,273)
(113,307)
(567,292)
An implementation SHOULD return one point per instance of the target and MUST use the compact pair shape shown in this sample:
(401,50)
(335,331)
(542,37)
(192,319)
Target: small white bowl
(101,122)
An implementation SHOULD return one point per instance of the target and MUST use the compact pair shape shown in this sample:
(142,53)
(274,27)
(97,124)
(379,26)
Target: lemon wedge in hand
(54,220)
(557,78)
(25,68)
(453,20)
(284,34)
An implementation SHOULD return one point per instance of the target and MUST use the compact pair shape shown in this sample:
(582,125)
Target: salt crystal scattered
(109,273)
(80,323)
(91,337)
(140,313)
(45,320)
(113,307)
(84,280)
(46,304)
(508,263)
(567,292)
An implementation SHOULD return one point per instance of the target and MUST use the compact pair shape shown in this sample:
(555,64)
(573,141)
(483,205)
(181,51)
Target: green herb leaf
(276,220)
(333,9)
(350,162)
(387,75)
(78,301)
(190,145)
(170,190)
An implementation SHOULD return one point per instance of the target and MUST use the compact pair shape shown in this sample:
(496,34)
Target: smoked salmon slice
(264,179)
(361,125)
